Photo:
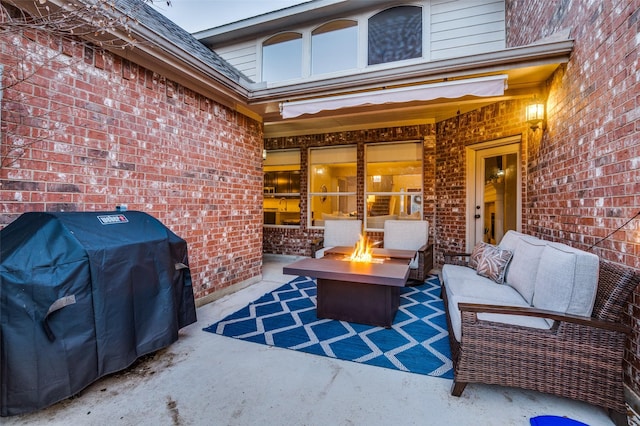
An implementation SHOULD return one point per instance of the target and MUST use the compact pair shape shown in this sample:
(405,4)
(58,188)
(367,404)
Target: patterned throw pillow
(493,263)
(476,254)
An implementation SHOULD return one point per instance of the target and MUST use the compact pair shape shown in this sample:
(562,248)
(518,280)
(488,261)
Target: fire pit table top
(394,271)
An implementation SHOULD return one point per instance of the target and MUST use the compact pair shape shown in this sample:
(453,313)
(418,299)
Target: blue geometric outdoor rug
(417,342)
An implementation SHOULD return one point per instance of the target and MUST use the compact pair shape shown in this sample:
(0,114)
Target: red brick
(112,155)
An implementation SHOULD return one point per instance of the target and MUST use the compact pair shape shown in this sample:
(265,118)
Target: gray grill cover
(83,295)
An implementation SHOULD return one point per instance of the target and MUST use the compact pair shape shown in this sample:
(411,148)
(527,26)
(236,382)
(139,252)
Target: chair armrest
(449,258)
(316,244)
(425,260)
(541,313)
(456,254)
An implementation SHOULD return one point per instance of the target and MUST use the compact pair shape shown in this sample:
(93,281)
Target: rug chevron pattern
(417,342)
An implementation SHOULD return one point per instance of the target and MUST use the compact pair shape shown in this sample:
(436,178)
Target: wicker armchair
(579,357)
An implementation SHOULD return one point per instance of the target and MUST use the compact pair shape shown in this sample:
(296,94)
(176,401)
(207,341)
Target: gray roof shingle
(147,16)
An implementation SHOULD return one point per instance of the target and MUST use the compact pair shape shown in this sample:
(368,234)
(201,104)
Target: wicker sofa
(554,324)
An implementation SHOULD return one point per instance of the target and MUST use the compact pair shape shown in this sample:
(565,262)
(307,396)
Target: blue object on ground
(555,421)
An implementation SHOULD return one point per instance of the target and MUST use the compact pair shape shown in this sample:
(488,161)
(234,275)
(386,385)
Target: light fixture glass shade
(535,114)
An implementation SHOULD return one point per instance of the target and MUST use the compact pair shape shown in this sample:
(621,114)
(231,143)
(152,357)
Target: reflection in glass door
(497,192)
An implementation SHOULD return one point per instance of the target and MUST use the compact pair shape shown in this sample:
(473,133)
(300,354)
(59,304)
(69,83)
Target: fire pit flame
(363,251)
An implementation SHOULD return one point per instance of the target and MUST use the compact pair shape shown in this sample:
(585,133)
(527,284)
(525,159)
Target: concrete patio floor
(206,379)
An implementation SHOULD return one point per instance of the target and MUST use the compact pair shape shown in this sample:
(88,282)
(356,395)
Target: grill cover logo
(113,219)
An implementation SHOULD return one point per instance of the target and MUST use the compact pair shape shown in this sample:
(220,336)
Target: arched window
(395,34)
(282,57)
(334,47)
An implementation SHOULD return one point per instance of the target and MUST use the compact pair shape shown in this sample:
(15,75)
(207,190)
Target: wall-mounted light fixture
(264,154)
(535,114)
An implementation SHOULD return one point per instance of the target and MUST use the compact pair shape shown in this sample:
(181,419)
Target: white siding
(453,28)
(242,56)
(466,27)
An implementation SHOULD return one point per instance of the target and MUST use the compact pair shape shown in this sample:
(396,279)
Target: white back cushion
(585,284)
(342,232)
(405,234)
(554,281)
(567,280)
(523,269)
(510,240)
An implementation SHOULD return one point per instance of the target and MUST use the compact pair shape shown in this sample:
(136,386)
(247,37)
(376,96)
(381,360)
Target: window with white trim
(332,184)
(281,204)
(395,34)
(282,57)
(393,183)
(334,47)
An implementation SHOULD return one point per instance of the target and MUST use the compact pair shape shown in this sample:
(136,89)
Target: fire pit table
(366,293)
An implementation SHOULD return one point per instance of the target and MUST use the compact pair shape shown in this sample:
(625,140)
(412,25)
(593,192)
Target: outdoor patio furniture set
(526,313)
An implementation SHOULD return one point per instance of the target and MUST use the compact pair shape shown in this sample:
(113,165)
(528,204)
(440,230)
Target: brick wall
(584,175)
(86,131)
(588,187)
(297,241)
(496,121)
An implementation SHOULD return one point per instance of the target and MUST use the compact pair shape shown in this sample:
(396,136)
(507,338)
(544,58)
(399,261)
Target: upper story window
(395,34)
(334,47)
(374,35)
(282,57)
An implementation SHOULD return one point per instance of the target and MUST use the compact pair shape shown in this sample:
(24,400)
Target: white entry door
(494,191)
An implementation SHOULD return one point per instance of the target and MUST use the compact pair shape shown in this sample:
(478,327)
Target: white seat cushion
(485,289)
(456,317)
(464,285)
(457,273)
